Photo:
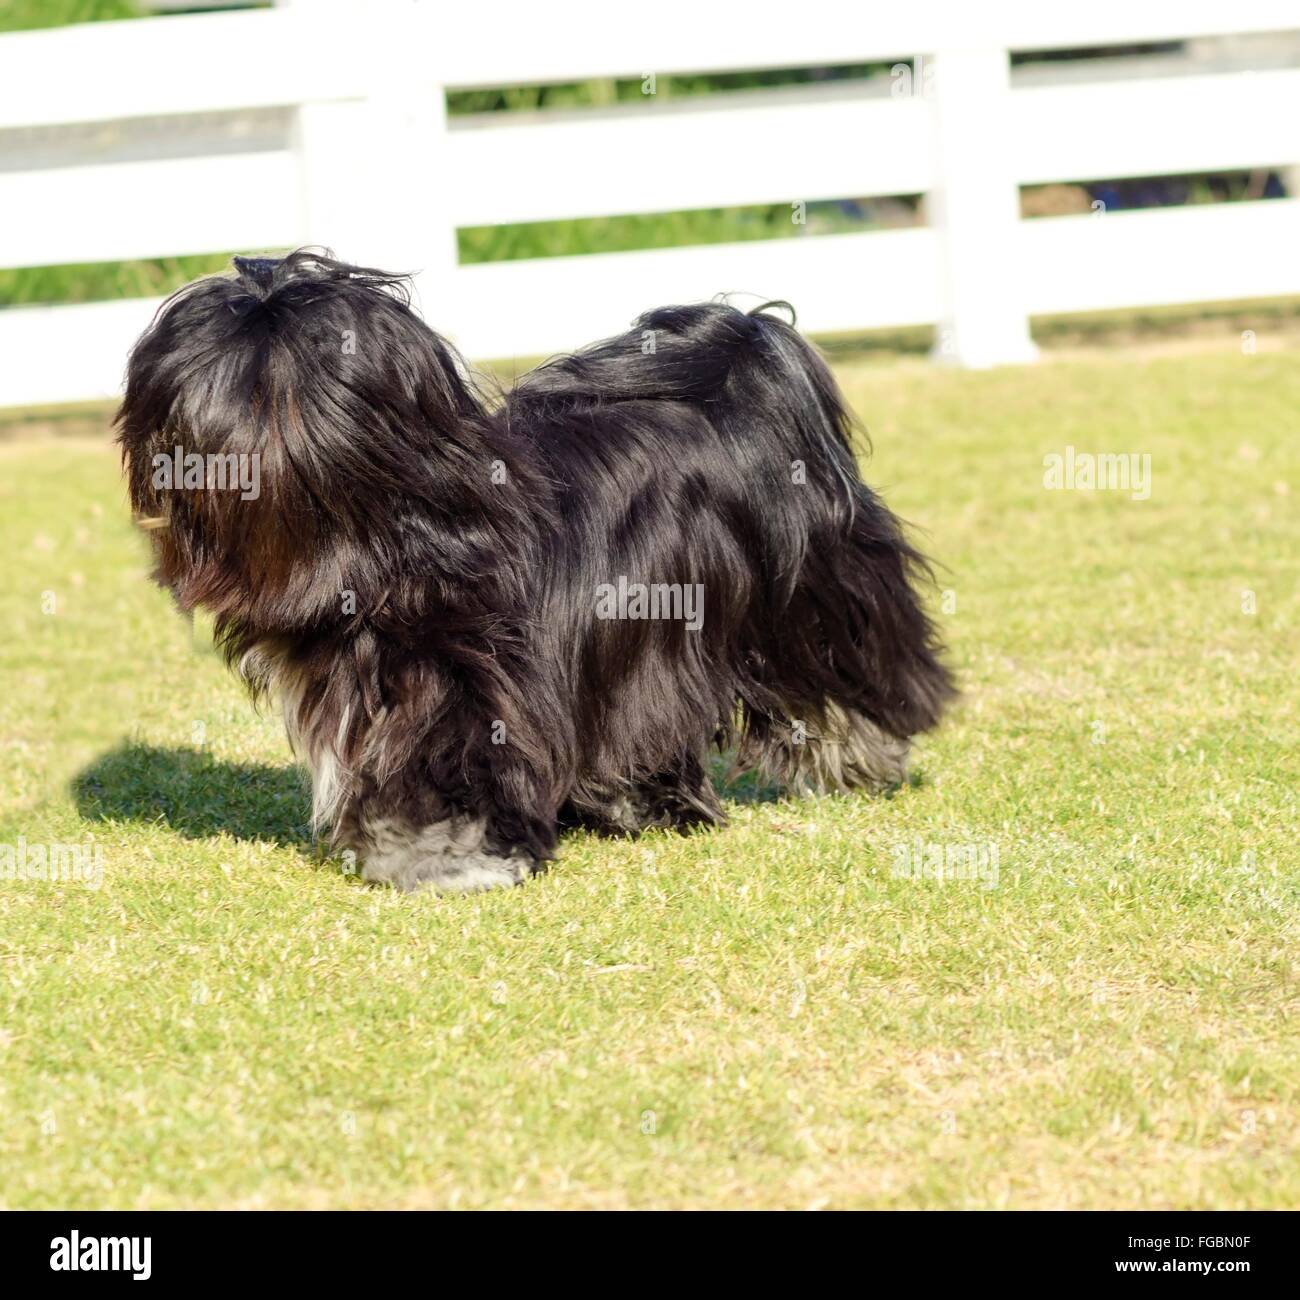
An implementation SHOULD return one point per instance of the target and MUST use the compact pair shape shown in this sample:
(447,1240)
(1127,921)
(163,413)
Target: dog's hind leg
(841,750)
(678,799)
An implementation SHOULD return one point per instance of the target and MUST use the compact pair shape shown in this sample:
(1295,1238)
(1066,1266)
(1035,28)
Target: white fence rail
(346,142)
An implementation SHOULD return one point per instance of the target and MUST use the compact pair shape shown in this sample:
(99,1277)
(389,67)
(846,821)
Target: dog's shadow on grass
(196,795)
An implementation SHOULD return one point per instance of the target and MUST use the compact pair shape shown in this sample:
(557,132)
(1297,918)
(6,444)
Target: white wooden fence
(324,122)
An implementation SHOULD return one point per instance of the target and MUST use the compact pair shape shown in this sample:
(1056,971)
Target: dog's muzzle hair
(475,616)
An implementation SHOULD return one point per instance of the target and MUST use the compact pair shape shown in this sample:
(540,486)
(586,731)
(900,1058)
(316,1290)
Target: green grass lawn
(768,1015)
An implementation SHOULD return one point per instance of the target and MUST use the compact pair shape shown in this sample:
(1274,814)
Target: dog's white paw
(446,857)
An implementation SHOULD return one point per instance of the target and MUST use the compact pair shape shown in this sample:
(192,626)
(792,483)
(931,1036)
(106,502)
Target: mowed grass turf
(768,1015)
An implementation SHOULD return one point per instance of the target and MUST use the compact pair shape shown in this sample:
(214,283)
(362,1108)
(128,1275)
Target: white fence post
(417,186)
(975,211)
(333,142)
(374,179)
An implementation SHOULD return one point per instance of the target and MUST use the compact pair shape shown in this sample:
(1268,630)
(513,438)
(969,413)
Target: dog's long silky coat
(417,580)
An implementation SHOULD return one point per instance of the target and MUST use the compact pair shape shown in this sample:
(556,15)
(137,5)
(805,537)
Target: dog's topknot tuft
(266,275)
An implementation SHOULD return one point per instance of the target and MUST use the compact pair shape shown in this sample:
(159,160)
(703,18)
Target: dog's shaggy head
(320,377)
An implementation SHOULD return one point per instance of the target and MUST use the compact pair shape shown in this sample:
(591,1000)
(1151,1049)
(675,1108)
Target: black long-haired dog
(484,623)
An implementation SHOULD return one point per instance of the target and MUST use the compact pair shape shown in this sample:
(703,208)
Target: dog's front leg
(453,855)
(452,819)
(410,832)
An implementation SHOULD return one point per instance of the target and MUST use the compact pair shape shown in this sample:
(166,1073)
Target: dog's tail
(838,575)
(769,376)
(844,577)
(746,370)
